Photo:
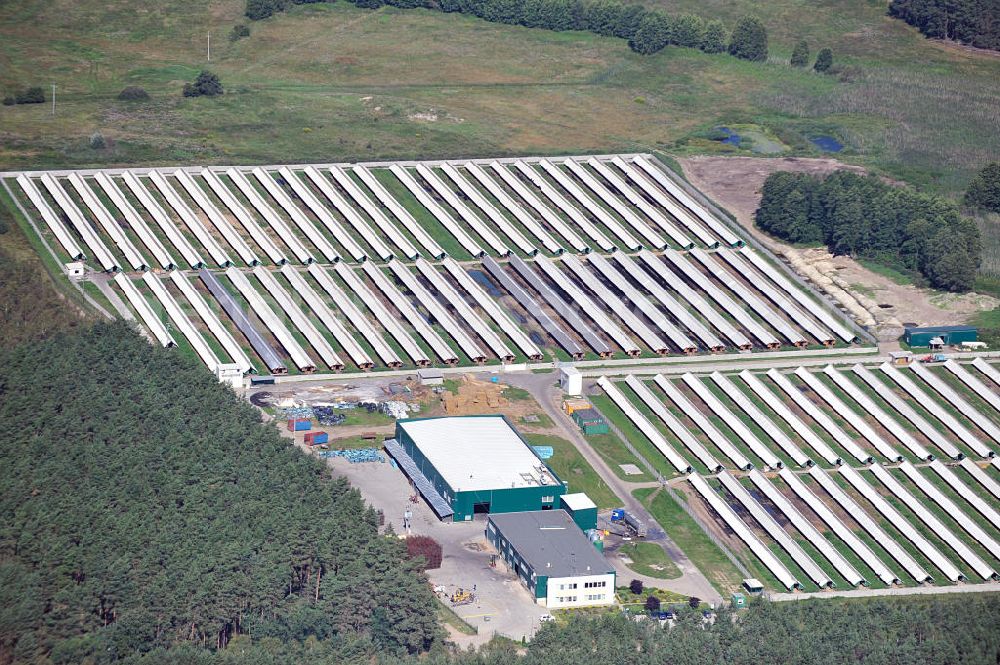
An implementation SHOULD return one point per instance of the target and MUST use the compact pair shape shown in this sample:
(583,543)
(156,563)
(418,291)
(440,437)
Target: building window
(548,499)
(573,585)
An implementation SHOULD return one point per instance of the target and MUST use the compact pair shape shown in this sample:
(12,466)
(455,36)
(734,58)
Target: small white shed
(571,381)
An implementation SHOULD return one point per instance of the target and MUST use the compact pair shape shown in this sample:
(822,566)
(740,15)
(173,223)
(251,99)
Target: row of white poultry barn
(304,268)
(841,476)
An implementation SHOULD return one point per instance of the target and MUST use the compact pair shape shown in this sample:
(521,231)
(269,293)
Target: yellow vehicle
(462,597)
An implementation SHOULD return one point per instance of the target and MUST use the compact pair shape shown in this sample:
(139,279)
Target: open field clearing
(324,82)
(876,476)
(327,267)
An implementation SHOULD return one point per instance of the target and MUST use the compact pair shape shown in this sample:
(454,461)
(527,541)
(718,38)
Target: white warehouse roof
(474,453)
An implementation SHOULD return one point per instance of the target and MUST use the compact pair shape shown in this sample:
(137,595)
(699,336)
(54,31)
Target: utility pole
(210,47)
(53,99)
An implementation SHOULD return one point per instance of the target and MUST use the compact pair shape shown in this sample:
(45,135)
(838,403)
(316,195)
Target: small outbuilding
(570,380)
(553,558)
(948,336)
(900,358)
(74,268)
(580,507)
(430,377)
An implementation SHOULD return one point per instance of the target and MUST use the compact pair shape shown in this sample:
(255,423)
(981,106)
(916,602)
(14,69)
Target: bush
(749,40)
(653,604)
(800,55)
(207,84)
(426,547)
(694,602)
(133,93)
(259,9)
(984,190)
(714,40)
(824,60)
(635,586)
(97,141)
(239,31)
(34,95)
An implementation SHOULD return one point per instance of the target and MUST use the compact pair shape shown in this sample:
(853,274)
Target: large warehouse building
(553,558)
(473,464)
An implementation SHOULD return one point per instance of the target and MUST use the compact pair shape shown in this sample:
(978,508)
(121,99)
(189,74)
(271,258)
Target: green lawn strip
(95,293)
(116,252)
(573,468)
(398,225)
(649,559)
(826,409)
(874,582)
(459,219)
(689,537)
(838,544)
(949,522)
(349,442)
(662,428)
(636,603)
(236,224)
(643,446)
(282,214)
(362,418)
(893,533)
(516,198)
(749,422)
(720,425)
(872,422)
(984,408)
(258,216)
(901,540)
(427,221)
(918,406)
(513,221)
(614,453)
(183,347)
(306,211)
(894,275)
(627,204)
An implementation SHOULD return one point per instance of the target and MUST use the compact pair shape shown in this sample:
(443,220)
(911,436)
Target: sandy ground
(875,300)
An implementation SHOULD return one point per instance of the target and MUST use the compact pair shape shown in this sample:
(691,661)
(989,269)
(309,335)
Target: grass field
(329,82)
(650,559)
(691,539)
(572,468)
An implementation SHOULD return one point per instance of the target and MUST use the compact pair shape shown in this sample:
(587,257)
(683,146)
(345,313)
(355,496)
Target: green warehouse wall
(510,500)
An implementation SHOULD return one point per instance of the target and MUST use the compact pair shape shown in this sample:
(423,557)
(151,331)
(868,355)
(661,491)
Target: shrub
(749,40)
(133,93)
(824,60)
(9,101)
(714,39)
(207,84)
(259,9)
(239,31)
(33,95)
(984,190)
(97,141)
(694,602)
(653,33)
(635,586)
(653,604)
(426,547)
(800,55)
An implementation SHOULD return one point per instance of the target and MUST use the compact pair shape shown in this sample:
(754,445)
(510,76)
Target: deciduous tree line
(863,216)
(973,22)
(647,30)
